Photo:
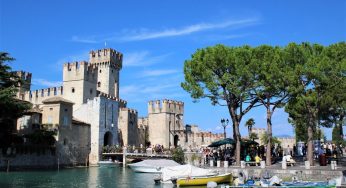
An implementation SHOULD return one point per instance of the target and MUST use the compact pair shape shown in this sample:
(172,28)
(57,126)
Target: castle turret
(24,85)
(109,63)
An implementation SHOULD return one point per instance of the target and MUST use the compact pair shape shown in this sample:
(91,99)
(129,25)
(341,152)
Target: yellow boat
(203,180)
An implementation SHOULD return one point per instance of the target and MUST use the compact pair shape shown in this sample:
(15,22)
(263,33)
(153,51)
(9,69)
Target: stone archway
(176,139)
(108,139)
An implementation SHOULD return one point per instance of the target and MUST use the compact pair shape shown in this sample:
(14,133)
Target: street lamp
(224,123)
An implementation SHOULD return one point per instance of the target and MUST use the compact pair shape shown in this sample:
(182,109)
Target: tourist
(247,158)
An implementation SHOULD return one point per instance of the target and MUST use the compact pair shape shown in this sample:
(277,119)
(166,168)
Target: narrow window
(98,84)
(100,71)
(50,120)
(91,91)
(73,90)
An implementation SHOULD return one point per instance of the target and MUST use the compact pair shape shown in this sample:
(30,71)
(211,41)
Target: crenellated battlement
(79,71)
(106,57)
(122,103)
(166,106)
(37,96)
(24,76)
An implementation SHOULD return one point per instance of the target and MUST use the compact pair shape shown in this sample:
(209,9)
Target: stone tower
(79,82)
(109,63)
(165,122)
(25,84)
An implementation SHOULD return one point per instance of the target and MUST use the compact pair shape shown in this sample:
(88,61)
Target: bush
(178,155)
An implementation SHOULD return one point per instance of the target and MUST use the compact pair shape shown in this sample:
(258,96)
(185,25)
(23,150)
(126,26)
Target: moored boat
(152,166)
(203,180)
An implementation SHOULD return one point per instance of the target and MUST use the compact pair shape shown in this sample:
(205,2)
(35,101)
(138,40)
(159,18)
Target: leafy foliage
(178,155)
(223,75)
(10,107)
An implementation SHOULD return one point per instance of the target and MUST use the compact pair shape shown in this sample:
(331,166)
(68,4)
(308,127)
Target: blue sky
(156,37)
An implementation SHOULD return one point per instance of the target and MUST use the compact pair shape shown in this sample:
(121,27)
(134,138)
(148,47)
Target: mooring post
(124,156)
(8,165)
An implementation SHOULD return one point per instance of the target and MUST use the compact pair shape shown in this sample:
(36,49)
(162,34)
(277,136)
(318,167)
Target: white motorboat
(108,163)
(152,166)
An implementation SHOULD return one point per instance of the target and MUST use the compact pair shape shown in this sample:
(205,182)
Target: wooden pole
(124,156)
(8,166)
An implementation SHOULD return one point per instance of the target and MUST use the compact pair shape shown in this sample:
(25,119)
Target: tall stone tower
(25,84)
(79,82)
(109,63)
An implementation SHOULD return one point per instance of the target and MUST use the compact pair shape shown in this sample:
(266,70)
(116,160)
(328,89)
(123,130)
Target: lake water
(80,177)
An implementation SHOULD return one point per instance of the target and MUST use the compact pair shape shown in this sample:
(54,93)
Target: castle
(89,114)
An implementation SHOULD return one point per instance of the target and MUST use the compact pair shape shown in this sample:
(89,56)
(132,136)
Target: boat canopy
(156,163)
(185,171)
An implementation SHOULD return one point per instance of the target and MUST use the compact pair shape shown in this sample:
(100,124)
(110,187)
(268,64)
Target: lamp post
(224,123)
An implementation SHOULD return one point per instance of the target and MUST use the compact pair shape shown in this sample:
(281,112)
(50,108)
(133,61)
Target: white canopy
(184,171)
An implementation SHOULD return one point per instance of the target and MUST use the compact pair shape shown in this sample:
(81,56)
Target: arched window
(73,90)
(100,71)
(98,84)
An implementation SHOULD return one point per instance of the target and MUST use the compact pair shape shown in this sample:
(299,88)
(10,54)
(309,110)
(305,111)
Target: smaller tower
(79,82)
(24,85)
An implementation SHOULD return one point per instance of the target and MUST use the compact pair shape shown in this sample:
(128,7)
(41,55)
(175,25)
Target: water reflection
(112,177)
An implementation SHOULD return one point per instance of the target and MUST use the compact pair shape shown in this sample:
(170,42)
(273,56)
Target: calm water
(98,177)
(80,177)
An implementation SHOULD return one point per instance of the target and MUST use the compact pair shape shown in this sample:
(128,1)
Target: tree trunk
(237,138)
(269,133)
(310,143)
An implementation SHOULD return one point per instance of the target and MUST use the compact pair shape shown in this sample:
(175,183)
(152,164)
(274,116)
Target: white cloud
(142,58)
(46,83)
(161,72)
(90,40)
(146,34)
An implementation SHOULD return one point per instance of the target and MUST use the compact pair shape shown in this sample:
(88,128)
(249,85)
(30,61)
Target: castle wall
(102,115)
(128,127)
(74,144)
(143,132)
(37,96)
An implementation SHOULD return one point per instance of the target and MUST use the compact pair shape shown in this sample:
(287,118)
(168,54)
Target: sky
(156,37)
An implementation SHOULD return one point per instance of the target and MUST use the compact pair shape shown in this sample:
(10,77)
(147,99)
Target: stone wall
(102,115)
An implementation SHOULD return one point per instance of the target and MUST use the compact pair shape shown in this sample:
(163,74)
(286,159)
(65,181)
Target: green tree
(273,76)
(223,75)
(178,155)
(10,107)
(264,139)
(317,73)
(249,124)
(253,136)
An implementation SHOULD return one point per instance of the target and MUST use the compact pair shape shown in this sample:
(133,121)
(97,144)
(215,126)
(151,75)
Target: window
(65,141)
(100,71)
(66,110)
(91,91)
(50,109)
(65,120)
(98,84)
(73,90)
(49,121)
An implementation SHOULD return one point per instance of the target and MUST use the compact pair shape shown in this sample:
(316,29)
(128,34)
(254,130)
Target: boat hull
(224,178)
(145,169)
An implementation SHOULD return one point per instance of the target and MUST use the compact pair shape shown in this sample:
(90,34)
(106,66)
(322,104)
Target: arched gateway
(108,139)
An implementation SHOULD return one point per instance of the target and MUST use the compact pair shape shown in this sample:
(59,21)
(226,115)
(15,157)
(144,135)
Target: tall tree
(273,77)
(222,74)
(316,74)
(10,107)
(249,124)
